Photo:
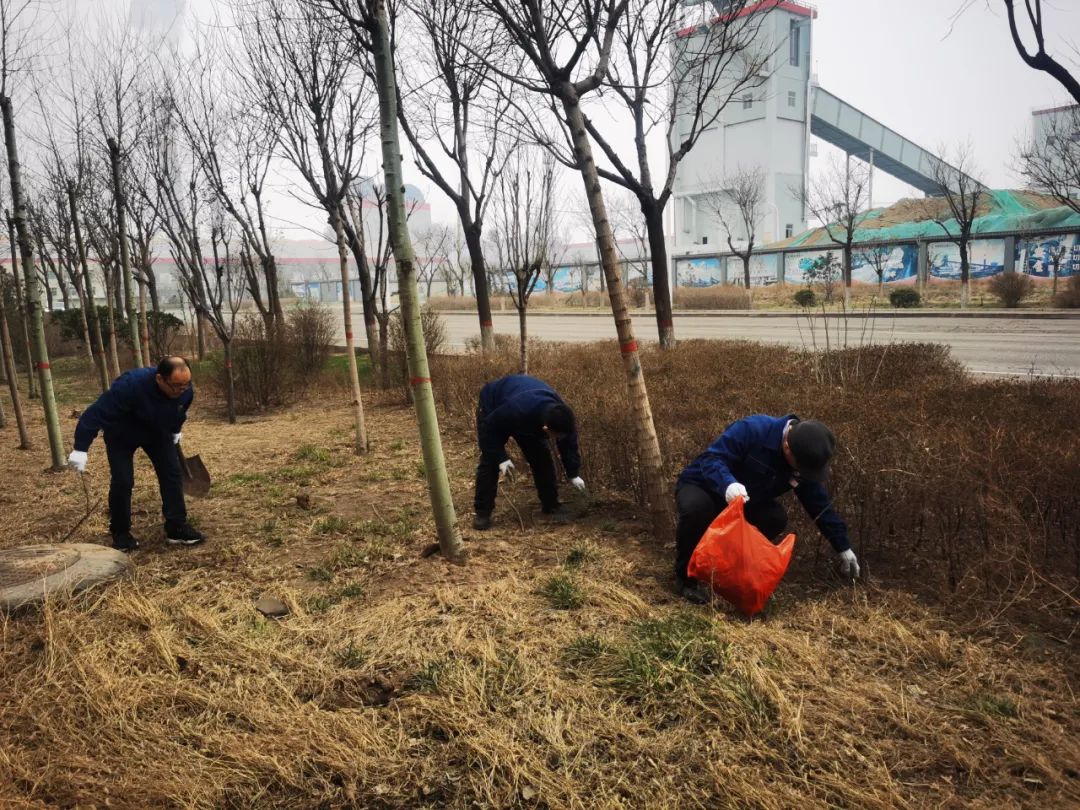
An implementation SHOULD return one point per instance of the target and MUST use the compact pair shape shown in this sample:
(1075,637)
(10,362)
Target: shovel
(195,476)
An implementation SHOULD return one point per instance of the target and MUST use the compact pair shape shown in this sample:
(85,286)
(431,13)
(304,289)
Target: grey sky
(894,59)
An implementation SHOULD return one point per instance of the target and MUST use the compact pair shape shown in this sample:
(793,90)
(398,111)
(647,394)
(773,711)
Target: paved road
(996,346)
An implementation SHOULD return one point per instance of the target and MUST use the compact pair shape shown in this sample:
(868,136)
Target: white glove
(77,461)
(505,469)
(176,438)
(736,490)
(578,483)
(849,566)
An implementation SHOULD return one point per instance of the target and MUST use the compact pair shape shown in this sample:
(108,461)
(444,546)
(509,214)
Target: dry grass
(404,682)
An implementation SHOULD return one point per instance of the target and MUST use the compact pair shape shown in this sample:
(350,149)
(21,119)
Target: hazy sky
(908,63)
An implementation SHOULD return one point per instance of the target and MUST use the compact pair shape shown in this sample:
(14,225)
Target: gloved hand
(849,565)
(77,461)
(505,469)
(176,438)
(578,483)
(736,490)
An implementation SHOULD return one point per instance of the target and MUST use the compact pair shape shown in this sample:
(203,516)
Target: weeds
(333,524)
(584,552)
(563,592)
(320,603)
(320,573)
(310,454)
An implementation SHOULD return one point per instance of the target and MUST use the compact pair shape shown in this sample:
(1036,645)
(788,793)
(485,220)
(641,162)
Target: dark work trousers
(537,453)
(698,508)
(166,461)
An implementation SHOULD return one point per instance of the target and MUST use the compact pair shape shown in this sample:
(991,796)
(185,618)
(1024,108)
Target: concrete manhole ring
(30,573)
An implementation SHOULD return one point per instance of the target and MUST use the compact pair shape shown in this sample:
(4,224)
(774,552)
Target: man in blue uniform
(759,458)
(529,411)
(145,408)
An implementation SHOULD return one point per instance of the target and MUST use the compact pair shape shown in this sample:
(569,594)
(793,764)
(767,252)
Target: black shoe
(481,522)
(125,542)
(182,534)
(694,591)
(558,514)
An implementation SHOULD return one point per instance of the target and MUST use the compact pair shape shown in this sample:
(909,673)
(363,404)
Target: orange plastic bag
(738,562)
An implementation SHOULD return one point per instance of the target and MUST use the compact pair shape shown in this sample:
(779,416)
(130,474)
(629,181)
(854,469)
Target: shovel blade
(195,476)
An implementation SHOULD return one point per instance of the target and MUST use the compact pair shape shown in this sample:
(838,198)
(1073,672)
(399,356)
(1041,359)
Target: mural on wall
(899,263)
(1036,256)
(986,257)
(567,279)
(698,272)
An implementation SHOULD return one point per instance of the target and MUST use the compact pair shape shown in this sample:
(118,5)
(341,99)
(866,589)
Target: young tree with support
(371,31)
(838,199)
(523,231)
(567,49)
(738,208)
(963,196)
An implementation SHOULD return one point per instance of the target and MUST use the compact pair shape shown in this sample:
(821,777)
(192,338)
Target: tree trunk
(524,338)
(442,503)
(33,298)
(657,493)
(965,275)
(88,286)
(125,253)
(384,351)
(481,290)
(230,383)
(12,376)
(746,269)
(110,325)
(84,309)
(350,349)
(43,280)
(665,323)
(354,229)
(144,325)
(24,313)
(847,276)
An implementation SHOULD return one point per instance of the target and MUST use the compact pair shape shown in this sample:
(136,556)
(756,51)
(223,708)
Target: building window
(704,240)
(748,102)
(792,99)
(789,231)
(794,41)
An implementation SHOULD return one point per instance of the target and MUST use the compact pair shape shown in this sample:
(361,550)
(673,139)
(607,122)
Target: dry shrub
(434,329)
(263,367)
(719,296)
(450,303)
(1011,288)
(311,331)
(1069,298)
(956,473)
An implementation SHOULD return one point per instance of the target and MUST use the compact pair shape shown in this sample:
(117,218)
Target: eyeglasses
(177,388)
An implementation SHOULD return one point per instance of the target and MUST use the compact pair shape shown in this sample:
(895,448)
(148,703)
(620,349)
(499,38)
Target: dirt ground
(554,669)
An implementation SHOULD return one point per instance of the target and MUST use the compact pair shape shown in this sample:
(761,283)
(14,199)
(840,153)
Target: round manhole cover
(30,573)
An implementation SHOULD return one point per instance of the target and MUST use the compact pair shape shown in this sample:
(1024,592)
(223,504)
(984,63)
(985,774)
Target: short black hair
(168,365)
(559,419)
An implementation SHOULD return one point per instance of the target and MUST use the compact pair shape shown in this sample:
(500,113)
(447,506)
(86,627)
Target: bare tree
(878,258)
(319,99)
(1051,164)
(628,225)
(16,19)
(374,39)
(1039,59)
(738,208)
(453,109)
(233,141)
(433,244)
(838,199)
(702,68)
(567,46)
(224,287)
(523,231)
(963,195)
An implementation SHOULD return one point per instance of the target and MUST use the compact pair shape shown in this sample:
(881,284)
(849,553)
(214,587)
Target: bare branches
(738,207)
(1051,161)
(1038,58)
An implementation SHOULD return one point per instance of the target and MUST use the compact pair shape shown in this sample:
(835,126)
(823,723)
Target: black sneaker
(558,514)
(481,522)
(125,542)
(696,592)
(182,534)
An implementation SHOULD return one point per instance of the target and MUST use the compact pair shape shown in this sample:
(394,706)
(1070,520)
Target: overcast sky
(907,63)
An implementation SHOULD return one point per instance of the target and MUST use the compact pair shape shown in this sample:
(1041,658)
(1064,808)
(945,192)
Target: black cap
(813,446)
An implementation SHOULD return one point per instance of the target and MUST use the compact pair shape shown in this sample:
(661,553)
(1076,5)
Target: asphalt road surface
(992,346)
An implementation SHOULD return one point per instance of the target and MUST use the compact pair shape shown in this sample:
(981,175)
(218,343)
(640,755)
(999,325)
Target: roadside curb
(1005,314)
